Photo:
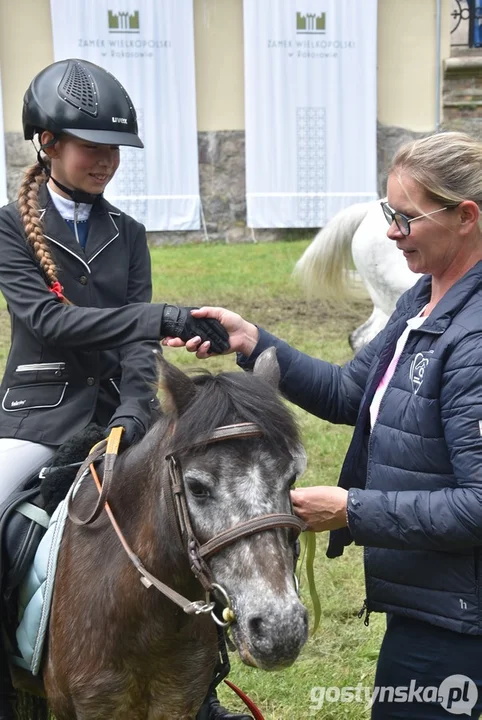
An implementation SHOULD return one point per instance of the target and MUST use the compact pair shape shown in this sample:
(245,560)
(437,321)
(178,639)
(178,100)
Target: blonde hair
(30,215)
(447,165)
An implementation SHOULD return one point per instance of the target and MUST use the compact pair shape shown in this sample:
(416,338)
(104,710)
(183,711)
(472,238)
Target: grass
(255,280)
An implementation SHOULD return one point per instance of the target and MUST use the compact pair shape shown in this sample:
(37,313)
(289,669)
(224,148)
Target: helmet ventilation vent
(78,88)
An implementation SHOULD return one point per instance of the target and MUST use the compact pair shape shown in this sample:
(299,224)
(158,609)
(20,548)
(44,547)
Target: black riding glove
(133,430)
(178,322)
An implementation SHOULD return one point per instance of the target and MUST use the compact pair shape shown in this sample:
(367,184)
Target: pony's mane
(234,397)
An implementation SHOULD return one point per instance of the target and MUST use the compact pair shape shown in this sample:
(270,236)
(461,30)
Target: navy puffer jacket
(415,481)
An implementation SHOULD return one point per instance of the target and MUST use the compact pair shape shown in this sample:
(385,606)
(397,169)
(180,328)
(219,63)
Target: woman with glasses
(410,488)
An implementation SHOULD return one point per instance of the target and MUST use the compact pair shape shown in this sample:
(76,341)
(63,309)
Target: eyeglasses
(403,221)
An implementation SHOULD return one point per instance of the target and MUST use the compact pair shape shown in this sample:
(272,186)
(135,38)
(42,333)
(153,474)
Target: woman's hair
(447,165)
(30,214)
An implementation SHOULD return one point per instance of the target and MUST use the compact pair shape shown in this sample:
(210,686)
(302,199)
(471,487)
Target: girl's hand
(322,507)
(243,336)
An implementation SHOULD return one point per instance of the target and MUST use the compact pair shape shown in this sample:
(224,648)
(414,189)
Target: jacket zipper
(76,219)
(476,567)
(365,611)
(34,367)
(115,385)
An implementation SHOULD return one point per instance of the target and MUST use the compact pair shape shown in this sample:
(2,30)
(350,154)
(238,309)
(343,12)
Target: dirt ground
(308,313)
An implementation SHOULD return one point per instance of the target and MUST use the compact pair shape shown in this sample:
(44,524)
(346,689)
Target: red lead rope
(255,711)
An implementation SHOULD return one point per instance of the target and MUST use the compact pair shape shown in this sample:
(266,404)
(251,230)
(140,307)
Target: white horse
(357,235)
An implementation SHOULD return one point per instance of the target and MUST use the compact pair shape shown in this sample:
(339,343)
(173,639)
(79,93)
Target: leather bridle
(177,509)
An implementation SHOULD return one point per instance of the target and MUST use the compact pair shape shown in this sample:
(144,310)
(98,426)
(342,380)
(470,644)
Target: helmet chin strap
(78,196)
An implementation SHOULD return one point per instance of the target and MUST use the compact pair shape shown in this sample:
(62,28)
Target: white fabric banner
(3,167)
(149,46)
(310,87)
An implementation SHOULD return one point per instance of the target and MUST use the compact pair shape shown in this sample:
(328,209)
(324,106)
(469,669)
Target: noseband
(178,513)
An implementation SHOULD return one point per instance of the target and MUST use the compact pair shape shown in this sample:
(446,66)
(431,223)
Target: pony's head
(237,479)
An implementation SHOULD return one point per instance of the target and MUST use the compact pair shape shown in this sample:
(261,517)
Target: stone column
(19,155)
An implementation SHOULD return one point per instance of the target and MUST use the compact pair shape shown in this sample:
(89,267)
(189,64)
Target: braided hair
(29,211)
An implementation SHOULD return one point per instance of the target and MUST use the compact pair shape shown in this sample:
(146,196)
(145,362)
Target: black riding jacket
(70,365)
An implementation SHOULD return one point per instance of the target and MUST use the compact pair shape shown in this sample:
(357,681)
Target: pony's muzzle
(270,639)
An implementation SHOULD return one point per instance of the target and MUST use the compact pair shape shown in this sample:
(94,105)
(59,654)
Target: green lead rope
(308,549)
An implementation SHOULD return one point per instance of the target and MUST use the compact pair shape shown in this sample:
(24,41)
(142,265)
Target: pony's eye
(197,489)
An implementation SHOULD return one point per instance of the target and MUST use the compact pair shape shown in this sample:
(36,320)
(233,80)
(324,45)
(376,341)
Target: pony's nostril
(256,626)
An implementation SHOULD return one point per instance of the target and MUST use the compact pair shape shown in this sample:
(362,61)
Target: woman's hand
(243,335)
(322,507)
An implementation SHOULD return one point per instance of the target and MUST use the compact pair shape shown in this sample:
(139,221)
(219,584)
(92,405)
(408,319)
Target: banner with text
(310,88)
(149,46)
(3,167)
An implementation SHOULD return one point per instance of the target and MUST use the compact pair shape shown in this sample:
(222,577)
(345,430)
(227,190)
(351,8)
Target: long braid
(30,214)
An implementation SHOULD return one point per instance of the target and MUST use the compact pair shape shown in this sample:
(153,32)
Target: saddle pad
(36,590)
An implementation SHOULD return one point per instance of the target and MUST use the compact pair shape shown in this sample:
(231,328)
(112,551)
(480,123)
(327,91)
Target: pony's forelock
(235,397)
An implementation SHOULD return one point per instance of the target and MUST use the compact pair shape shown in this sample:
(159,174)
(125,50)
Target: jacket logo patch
(417,371)
(16,403)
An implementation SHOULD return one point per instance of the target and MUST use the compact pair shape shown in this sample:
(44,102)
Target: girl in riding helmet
(76,275)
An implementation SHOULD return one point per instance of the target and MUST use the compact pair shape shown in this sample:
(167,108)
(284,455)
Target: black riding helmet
(81,99)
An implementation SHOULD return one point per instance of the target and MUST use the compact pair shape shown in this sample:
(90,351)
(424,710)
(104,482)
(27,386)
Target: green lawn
(255,280)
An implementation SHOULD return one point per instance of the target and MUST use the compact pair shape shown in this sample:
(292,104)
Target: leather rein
(176,503)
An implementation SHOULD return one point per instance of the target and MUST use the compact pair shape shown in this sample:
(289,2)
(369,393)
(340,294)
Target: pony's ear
(177,387)
(267,367)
